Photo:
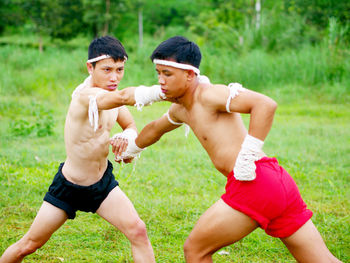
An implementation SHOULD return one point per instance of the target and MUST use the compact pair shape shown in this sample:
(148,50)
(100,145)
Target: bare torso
(220,133)
(86,149)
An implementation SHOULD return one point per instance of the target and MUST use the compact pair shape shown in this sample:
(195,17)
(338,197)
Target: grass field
(174,182)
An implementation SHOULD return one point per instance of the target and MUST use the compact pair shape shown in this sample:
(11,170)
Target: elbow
(268,106)
(273,105)
(124,97)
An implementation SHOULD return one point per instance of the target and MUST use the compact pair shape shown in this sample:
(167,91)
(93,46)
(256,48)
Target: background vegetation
(294,51)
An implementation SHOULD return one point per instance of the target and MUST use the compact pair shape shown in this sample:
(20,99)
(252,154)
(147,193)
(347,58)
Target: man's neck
(187,99)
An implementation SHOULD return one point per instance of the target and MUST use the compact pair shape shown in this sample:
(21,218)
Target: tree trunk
(140,27)
(41,47)
(106,27)
(258,10)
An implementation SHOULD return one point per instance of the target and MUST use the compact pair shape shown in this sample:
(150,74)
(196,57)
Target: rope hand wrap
(250,152)
(147,95)
(132,150)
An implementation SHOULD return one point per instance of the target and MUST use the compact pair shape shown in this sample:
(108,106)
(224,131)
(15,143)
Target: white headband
(176,65)
(98,58)
(102,57)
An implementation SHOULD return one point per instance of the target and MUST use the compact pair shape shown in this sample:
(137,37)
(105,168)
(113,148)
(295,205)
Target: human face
(107,73)
(172,81)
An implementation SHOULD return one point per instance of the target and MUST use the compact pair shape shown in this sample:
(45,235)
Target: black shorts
(71,197)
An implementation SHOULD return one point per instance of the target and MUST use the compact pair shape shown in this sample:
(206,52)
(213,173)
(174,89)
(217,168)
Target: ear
(90,68)
(190,74)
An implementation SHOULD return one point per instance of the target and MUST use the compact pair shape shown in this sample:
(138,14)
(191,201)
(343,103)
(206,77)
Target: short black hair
(179,49)
(107,45)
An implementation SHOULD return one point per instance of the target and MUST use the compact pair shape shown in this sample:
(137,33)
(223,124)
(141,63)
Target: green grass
(174,182)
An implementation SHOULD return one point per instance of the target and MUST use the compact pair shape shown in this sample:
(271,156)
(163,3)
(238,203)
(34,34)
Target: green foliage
(58,19)
(102,16)
(336,32)
(318,12)
(283,24)
(321,70)
(10,14)
(38,122)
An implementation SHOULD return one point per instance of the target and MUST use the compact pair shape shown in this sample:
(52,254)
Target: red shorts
(272,199)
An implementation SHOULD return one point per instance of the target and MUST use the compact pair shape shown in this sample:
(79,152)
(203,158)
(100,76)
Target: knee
(191,252)
(195,253)
(137,231)
(27,246)
(188,248)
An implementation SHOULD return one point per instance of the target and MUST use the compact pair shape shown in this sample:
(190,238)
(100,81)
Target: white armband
(147,95)
(187,128)
(203,79)
(234,88)
(132,150)
(171,120)
(93,109)
(250,152)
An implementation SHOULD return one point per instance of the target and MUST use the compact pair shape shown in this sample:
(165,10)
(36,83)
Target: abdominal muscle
(87,150)
(86,161)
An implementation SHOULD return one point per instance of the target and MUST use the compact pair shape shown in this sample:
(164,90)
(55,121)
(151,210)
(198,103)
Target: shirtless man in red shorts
(259,192)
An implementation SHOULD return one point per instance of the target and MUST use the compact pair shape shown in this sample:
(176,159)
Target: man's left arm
(235,98)
(261,109)
(120,141)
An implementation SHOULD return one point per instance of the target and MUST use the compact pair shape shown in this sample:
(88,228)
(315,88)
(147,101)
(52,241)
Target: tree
(102,16)
(55,18)
(11,14)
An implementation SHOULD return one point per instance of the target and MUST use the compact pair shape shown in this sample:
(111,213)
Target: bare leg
(47,221)
(307,245)
(118,210)
(218,227)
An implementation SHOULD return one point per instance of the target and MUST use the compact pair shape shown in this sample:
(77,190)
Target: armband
(234,88)
(187,128)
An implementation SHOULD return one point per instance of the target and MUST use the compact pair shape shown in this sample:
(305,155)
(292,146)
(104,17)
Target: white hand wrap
(250,152)
(132,150)
(147,95)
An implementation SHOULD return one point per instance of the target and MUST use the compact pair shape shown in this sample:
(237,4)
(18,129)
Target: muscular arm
(260,107)
(126,122)
(125,119)
(138,96)
(153,131)
(261,110)
(117,98)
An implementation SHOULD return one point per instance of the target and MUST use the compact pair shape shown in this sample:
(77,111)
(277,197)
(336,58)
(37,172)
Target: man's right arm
(149,135)
(133,96)
(153,131)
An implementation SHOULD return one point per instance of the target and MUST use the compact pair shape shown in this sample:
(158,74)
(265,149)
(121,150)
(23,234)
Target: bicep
(240,101)
(246,100)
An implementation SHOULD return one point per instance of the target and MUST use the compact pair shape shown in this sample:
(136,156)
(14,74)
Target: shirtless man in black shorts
(85,181)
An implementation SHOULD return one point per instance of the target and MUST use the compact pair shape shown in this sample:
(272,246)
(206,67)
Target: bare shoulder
(177,113)
(80,101)
(211,92)
(213,95)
